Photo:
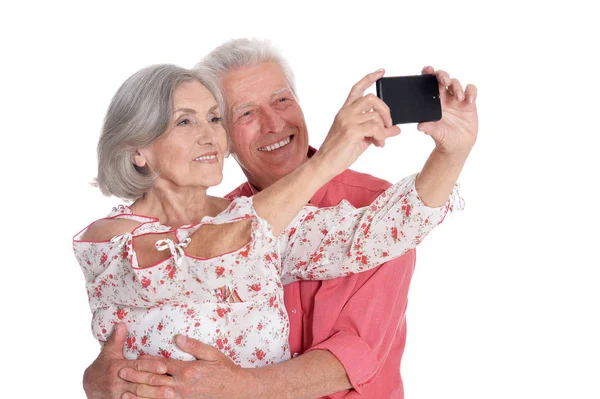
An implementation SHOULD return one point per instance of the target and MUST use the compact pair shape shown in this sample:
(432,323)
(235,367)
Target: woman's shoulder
(120,220)
(106,229)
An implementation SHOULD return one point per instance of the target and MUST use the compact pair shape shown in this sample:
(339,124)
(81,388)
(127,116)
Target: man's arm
(213,375)
(101,380)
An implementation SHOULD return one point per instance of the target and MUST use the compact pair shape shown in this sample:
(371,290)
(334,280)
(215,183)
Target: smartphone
(411,99)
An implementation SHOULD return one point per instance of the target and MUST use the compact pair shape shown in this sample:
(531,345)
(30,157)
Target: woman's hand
(457,130)
(363,120)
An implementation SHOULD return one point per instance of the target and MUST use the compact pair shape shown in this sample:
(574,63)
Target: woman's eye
(216,119)
(184,122)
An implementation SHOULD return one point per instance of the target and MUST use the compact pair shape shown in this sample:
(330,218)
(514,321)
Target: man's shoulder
(360,181)
(243,190)
(360,189)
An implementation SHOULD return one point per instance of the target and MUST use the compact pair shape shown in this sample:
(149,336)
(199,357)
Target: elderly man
(346,335)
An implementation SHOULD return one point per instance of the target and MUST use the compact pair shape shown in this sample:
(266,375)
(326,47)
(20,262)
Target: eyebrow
(191,111)
(185,110)
(250,103)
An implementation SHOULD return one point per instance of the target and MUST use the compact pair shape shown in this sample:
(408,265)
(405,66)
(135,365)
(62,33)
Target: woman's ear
(138,159)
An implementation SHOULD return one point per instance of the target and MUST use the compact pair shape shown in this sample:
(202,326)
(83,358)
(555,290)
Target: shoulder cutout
(106,229)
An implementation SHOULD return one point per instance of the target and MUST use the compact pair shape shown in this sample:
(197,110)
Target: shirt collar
(318,195)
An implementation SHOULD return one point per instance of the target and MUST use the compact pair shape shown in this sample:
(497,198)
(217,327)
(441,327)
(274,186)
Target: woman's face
(191,152)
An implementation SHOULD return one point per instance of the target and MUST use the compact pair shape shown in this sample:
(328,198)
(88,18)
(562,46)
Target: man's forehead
(256,81)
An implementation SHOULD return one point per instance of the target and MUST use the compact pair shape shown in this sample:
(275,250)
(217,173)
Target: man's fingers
(358,90)
(199,350)
(140,391)
(154,365)
(140,377)
(114,345)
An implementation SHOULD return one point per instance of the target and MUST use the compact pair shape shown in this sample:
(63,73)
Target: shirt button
(295,354)
(294,311)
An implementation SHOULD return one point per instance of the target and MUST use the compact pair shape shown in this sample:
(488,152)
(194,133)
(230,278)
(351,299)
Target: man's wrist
(252,383)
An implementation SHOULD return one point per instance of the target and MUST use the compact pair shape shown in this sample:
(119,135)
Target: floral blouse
(235,301)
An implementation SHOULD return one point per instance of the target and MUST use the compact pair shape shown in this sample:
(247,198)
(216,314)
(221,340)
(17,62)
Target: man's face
(266,124)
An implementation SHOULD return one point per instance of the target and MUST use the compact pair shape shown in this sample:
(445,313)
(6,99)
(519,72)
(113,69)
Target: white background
(504,301)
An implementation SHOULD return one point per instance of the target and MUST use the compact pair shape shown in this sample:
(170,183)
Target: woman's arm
(355,127)
(338,241)
(454,135)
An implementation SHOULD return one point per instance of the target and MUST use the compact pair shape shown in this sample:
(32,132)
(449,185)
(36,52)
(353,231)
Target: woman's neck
(177,207)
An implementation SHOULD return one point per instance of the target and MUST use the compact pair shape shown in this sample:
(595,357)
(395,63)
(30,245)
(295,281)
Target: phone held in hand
(411,99)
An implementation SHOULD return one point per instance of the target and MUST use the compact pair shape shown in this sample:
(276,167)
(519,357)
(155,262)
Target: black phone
(411,99)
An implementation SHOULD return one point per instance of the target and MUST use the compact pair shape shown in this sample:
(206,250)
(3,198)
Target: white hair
(236,54)
(138,115)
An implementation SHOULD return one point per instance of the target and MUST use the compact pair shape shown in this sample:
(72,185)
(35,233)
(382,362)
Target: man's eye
(247,113)
(282,99)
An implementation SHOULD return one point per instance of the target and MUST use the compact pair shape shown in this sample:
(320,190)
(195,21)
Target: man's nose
(272,122)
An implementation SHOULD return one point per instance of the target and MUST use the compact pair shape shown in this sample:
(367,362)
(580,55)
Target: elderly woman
(178,261)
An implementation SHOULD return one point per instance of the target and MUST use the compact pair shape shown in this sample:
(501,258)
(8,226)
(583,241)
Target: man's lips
(279,144)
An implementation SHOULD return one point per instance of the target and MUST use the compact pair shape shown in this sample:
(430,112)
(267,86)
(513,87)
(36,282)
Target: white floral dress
(235,301)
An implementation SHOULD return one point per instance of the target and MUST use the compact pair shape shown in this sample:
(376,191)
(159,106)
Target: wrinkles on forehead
(252,103)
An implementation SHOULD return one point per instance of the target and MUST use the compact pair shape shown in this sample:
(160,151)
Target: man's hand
(101,380)
(213,375)
(457,130)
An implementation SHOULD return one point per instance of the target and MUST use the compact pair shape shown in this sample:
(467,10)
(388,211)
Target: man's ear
(139,159)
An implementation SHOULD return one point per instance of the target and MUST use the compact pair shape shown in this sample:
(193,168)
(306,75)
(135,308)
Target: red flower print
(160,326)
(144,339)
(316,257)
(166,354)
(238,340)
(395,233)
(255,287)
(292,231)
(219,270)
(221,312)
(363,260)
(172,272)
(245,252)
(220,343)
(121,313)
(260,354)
(268,258)
(145,282)
(130,342)
(103,258)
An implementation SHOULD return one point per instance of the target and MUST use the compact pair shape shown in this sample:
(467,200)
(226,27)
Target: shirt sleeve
(327,243)
(101,263)
(369,327)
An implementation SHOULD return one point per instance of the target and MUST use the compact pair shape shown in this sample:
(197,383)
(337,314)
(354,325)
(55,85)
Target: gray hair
(238,53)
(138,115)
